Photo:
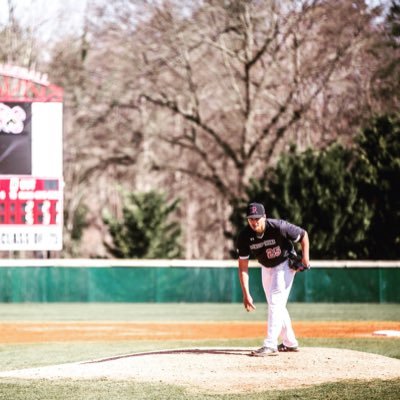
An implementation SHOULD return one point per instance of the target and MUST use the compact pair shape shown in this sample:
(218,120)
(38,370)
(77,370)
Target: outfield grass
(42,354)
(193,312)
(106,390)
(34,355)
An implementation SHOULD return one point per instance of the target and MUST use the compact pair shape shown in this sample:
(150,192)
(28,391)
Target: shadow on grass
(244,352)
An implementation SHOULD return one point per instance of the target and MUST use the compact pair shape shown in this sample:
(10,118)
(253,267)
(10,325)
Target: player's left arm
(244,283)
(305,249)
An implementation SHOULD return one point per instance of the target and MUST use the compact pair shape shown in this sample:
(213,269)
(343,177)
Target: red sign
(30,201)
(21,84)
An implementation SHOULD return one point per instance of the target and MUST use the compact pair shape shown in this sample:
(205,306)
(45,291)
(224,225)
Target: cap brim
(256,216)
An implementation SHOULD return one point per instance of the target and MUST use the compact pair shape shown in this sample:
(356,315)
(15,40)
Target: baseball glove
(296,264)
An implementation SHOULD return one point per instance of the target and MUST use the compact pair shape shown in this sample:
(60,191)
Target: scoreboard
(31,213)
(31,161)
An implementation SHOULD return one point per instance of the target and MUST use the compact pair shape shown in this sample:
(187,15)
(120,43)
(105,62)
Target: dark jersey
(275,244)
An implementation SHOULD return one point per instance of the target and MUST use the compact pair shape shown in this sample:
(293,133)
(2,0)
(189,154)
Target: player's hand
(248,304)
(305,261)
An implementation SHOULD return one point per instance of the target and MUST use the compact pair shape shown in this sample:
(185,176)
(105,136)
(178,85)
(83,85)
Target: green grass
(34,355)
(104,389)
(42,354)
(192,312)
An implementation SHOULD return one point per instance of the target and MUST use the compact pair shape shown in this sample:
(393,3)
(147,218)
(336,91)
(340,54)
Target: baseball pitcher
(270,241)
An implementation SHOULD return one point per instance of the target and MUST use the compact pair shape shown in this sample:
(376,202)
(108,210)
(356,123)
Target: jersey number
(273,252)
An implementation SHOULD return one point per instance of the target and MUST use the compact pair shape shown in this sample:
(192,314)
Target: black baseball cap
(255,210)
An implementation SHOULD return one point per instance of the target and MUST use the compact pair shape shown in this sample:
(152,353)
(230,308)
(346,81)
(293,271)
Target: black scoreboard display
(30,213)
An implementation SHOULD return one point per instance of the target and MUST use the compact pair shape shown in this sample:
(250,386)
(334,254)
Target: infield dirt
(211,370)
(37,332)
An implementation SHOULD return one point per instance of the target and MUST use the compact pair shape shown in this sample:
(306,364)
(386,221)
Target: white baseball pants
(277,283)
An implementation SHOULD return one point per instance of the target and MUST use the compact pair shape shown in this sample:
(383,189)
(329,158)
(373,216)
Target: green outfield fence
(81,280)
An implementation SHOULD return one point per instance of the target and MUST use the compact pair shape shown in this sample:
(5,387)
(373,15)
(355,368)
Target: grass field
(26,355)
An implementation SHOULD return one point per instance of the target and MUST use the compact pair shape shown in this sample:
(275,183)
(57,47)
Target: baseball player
(270,241)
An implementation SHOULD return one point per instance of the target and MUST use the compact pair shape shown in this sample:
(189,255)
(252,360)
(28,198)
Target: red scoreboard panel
(30,213)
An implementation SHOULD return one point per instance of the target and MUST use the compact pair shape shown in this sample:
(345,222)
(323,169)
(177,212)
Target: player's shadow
(244,352)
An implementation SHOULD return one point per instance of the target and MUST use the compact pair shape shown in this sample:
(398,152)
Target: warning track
(39,332)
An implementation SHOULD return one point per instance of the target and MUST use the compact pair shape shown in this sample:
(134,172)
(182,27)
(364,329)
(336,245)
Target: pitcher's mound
(223,370)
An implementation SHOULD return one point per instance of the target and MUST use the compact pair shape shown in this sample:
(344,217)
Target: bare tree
(234,80)
(224,87)
(101,141)
(18,45)
(200,98)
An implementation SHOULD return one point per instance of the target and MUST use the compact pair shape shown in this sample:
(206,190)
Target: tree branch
(195,119)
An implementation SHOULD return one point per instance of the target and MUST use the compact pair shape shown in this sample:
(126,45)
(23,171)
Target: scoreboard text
(30,213)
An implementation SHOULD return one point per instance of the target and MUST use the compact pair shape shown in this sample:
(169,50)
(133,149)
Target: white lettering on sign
(31,238)
(12,119)
(24,73)
(14,238)
(27,184)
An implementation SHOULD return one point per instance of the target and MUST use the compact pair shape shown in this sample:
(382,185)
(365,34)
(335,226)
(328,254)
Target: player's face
(257,224)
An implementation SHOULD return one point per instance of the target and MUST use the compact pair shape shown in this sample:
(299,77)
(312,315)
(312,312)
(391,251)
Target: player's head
(256,217)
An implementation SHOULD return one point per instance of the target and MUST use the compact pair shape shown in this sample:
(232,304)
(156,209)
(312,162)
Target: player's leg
(267,348)
(272,283)
(266,277)
(288,336)
(278,283)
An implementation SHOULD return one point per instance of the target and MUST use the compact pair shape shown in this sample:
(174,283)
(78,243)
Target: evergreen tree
(347,199)
(317,190)
(145,230)
(379,154)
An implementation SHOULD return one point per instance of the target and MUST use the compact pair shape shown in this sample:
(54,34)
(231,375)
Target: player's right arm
(244,283)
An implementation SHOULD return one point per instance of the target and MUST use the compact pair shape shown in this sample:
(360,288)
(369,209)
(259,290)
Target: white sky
(46,17)
(50,18)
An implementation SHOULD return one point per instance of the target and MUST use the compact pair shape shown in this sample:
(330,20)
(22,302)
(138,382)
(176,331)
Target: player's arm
(244,283)
(305,249)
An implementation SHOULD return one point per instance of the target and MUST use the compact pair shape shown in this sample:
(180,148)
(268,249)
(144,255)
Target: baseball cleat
(264,351)
(284,348)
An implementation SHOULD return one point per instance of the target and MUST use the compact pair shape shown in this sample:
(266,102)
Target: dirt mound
(229,370)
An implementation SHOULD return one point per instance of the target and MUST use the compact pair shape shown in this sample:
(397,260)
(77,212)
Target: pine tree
(379,153)
(347,199)
(145,230)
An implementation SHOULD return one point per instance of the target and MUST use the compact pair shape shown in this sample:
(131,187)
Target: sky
(44,15)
